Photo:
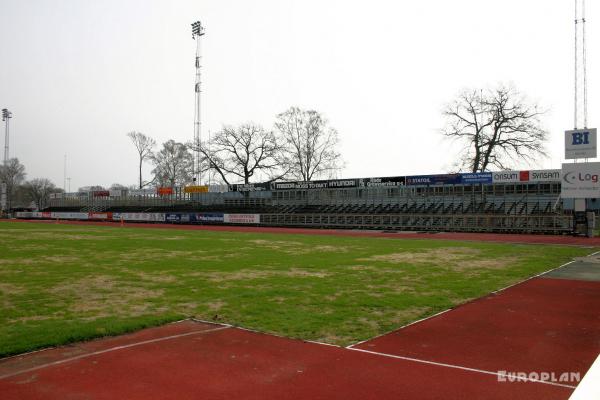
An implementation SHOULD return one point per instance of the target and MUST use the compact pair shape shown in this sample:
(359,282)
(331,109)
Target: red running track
(205,361)
(482,237)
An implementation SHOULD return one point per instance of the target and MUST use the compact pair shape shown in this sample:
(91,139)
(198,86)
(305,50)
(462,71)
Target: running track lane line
(125,346)
(481,371)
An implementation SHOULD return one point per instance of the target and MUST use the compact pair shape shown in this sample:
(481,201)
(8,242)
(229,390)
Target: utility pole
(197,33)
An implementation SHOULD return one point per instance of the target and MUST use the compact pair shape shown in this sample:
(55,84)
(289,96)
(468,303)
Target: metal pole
(576,71)
(197,33)
(6,116)
(65,175)
(6,141)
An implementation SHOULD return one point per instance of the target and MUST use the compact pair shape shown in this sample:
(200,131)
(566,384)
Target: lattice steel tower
(197,33)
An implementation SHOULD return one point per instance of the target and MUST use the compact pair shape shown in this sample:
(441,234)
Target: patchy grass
(63,283)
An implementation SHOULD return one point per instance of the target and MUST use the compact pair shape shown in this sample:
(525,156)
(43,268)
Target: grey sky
(78,75)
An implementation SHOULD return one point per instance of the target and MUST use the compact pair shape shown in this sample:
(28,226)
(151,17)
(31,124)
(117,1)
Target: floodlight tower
(197,33)
(6,116)
(580,87)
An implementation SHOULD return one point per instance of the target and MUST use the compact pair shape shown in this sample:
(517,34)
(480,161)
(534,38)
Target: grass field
(63,283)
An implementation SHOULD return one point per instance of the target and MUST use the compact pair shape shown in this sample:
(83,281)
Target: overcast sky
(78,75)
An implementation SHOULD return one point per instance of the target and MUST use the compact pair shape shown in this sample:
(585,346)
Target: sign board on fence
(580,181)
(580,143)
(241,218)
(164,190)
(535,176)
(475,178)
(196,189)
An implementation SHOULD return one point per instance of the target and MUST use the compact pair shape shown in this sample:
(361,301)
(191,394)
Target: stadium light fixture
(197,29)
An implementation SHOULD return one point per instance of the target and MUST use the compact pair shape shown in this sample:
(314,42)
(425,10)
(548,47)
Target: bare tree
(173,164)
(242,152)
(144,145)
(309,143)
(498,127)
(12,174)
(39,190)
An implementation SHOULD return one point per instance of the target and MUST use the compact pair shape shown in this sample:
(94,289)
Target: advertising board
(442,179)
(195,189)
(580,143)
(580,181)
(241,218)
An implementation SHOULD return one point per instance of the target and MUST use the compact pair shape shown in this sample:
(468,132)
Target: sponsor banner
(250,187)
(169,217)
(69,215)
(141,192)
(535,176)
(195,189)
(241,218)
(115,193)
(143,217)
(580,143)
(545,175)
(333,184)
(100,193)
(580,181)
(164,190)
(102,216)
(46,214)
(24,214)
(209,217)
(177,217)
(393,181)
(445,179)
(476,178)
(219,188)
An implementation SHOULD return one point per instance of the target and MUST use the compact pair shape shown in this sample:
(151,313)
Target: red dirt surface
(237,364)
(541,325)
(481,237)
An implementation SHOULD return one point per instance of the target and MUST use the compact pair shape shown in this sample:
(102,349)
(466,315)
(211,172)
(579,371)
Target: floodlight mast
(580,86)
(6,116)
(197,33)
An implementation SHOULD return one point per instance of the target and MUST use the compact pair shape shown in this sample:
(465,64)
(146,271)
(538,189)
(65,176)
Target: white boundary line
(481,371)
(95,353)
(401,327)
(589,387)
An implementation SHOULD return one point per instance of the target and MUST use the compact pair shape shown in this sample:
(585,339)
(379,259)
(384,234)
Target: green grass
(64,283)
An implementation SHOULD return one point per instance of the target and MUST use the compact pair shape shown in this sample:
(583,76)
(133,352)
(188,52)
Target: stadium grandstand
(505,201)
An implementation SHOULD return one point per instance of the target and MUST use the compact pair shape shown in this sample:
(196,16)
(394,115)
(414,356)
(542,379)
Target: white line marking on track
(481,371)
(401,327)
(589,387)
(125,346)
